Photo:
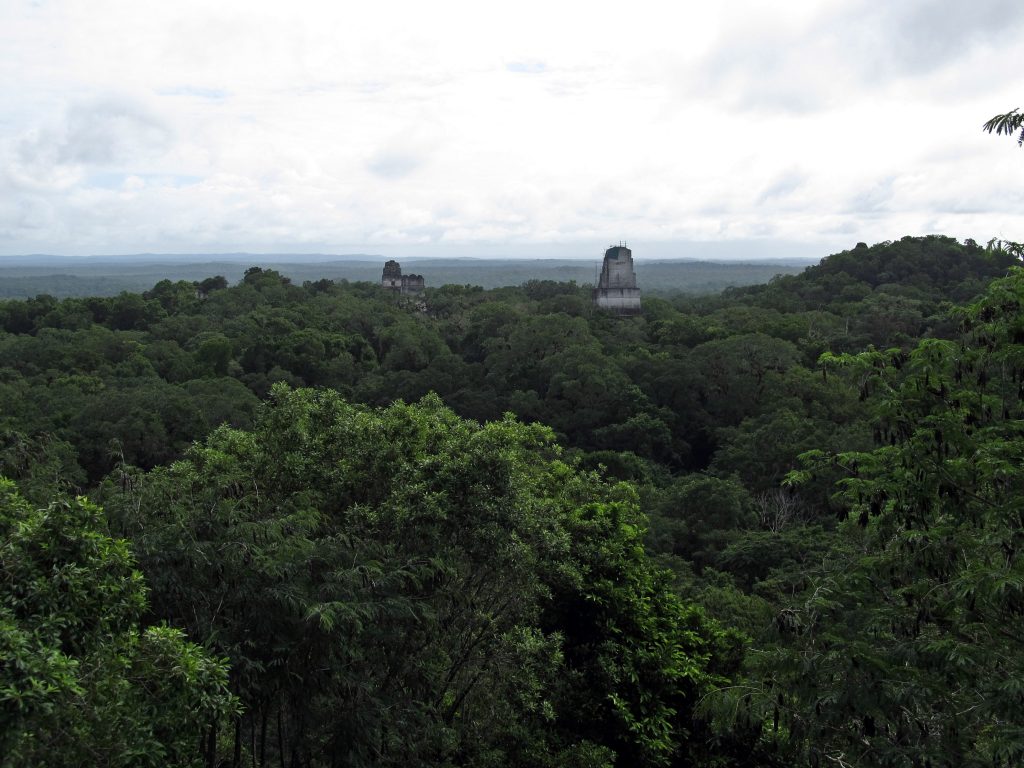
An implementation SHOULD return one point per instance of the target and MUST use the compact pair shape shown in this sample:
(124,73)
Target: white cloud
(258,125)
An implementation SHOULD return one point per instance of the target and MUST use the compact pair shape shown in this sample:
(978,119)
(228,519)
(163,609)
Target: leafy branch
(1008,124)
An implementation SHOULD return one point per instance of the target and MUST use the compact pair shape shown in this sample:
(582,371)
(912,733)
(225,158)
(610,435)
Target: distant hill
(926,269)
(25,277)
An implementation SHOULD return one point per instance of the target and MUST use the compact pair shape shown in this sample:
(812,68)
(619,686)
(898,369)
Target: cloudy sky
(535,128)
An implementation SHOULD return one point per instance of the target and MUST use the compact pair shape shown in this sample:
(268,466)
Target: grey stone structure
(616,289)
(394,280)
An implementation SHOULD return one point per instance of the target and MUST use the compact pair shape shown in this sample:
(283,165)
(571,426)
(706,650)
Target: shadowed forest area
(319,524)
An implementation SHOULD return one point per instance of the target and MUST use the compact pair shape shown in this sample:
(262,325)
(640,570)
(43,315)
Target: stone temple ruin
(394,280)
(616,289)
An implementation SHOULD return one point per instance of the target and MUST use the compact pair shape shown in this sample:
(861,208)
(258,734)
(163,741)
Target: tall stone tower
(616,289)
(392,277)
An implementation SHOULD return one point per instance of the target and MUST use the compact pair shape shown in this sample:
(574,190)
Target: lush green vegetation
(82,683)
(777,526)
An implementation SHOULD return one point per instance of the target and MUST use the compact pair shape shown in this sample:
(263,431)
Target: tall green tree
(81,682)
(905,648)
(402,586)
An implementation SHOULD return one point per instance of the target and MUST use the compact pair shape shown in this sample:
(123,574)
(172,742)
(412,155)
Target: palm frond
(1007,124)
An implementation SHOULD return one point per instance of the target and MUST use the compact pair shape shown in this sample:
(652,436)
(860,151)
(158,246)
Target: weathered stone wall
(413,284)
(392,276)
(392,279)
(616,289)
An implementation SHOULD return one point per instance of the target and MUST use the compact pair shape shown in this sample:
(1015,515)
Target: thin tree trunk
(236,758)
(263,735)
(211,746)
(297,739)
(280,738)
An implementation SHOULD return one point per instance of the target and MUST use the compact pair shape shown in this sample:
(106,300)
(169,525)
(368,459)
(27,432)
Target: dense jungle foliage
(325,525)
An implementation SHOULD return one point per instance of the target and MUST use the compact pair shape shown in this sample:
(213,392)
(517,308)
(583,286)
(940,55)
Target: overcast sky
(535,128)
